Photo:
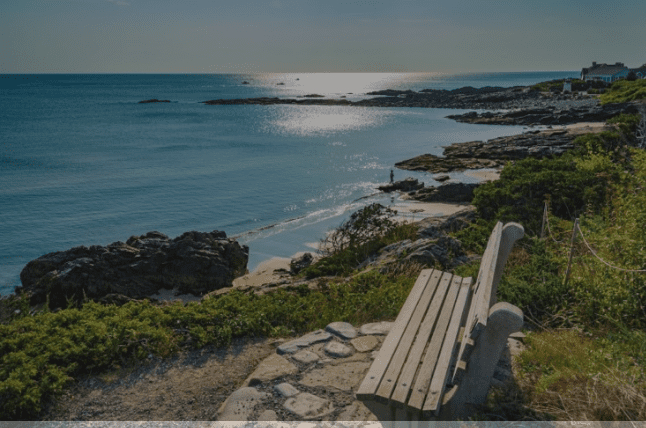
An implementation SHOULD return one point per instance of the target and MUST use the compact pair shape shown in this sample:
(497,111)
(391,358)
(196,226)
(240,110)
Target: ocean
(82,163)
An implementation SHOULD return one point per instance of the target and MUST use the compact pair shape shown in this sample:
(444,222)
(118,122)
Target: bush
(623,91)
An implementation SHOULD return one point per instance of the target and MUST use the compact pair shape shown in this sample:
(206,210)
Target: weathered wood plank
(405,381)
(371,382)
(439,281)
(448,354)
(425,374)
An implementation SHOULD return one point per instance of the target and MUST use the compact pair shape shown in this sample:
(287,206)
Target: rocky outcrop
(548,115)
(496,152)
(449,192)
(195,262)
(407,185)
(492,98)
(154,100)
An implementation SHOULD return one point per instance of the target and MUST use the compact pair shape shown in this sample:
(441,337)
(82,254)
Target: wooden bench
(441,352)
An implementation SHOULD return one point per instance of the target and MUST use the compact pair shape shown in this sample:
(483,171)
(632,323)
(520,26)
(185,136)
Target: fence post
(569,263)
(544,217)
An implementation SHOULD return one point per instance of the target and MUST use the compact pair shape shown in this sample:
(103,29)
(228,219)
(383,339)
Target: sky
(254,36)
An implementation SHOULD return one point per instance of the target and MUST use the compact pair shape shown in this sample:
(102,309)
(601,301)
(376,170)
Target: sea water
(83,163)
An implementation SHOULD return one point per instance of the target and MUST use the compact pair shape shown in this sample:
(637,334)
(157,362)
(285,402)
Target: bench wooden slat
(475,321)
(371,382)
(405,381)
(482,293)
(439,281)
(448,355)
(425,375)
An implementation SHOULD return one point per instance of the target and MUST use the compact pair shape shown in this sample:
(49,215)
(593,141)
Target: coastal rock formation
(451,192)
(496,152)
(491,98)
(407,185)
(194,262)
(154,100)
(549,116)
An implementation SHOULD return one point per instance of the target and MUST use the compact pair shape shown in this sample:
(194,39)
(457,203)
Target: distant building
(640,72)
(605,72)
(567,86)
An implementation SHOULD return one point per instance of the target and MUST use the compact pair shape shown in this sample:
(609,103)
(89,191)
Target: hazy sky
(214,36)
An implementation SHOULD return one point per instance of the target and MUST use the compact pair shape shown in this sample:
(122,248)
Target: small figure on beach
(392,176)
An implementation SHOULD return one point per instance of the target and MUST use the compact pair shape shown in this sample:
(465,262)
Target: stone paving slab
(308,406)
(271,368)
(303,342)
(337,350)
(323,387)
(344,330)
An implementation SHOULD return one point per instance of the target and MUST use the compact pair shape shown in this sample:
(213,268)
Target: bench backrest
(493,262)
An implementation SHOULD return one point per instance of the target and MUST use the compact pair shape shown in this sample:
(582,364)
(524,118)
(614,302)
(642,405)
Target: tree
(631,77)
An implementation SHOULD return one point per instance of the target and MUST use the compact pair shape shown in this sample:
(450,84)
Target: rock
(269,369)
(195,262)
(449,192)
(356,411)
(337,350)
(376,328)
(299,263)
(342,329)
(286,390)
(268,416)
(345,376)
(441,177)
(433,228)
(154,100)
(314,96)
(304,341)
(244,82)
(240,405)
(365,343)
(406,185)
(307,406)
(306,357)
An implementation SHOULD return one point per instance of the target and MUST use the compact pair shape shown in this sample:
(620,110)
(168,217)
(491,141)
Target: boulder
(299,263)
(195,262)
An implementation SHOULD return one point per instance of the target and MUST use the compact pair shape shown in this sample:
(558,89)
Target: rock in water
(195,262)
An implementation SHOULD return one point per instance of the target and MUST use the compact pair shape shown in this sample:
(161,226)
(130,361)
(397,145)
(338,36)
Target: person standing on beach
(392,176)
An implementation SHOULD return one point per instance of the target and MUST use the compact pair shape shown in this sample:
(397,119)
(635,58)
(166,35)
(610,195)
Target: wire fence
(577,228)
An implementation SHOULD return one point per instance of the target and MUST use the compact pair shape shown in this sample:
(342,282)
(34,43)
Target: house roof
(604,70)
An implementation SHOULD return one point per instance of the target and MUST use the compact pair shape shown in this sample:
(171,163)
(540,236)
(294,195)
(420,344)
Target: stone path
(315,376)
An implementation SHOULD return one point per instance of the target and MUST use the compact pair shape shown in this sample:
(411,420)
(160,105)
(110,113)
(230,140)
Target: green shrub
(623,91)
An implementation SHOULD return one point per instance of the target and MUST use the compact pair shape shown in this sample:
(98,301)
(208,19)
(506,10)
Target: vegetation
(361,236)
(585,354)
(623,91)
(585,357)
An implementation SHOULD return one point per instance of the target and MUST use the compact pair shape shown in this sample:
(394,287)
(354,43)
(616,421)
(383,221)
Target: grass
(623,91)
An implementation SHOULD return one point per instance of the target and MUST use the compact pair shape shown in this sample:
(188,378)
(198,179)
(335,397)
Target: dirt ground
(190,387)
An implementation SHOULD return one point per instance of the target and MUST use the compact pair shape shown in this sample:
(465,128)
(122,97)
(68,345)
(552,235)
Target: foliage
(366,232)
(627,123)
(41,354)
(623,91)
